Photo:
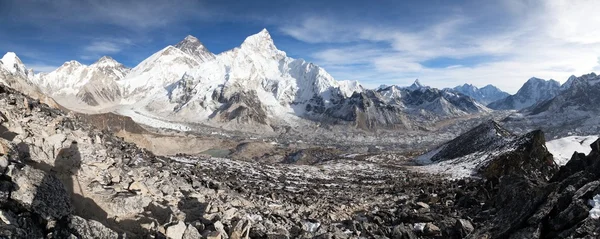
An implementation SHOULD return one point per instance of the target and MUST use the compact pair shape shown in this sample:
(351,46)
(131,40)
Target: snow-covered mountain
(14,74)
(574,111)
(484,95)
(534,91)
(94,85)
(419,99)
(253,84)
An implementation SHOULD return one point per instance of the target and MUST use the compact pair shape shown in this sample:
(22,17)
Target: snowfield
(563,148)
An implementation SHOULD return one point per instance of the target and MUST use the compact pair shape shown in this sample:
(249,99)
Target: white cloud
(41,67)
(546,39)
(100,48)
(103,47)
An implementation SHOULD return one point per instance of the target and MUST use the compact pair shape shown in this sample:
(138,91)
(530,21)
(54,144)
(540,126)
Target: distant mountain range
(257,85)
(254,85)
(484,95)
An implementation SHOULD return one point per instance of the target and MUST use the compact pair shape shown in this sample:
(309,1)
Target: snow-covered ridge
(534,91)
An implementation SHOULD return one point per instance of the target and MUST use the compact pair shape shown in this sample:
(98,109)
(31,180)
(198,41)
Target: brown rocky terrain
(63,177)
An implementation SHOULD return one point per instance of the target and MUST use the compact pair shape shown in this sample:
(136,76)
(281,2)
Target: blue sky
(443,43)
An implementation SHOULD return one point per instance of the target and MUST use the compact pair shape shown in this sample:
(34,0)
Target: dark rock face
(485,137)
(530,158)
(242,107)
(531,207)
(365,110)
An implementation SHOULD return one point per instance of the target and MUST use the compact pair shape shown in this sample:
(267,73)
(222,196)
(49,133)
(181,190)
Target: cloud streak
(548,39)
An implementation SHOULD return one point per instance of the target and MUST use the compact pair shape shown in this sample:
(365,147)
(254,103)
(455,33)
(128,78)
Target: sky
(442,43)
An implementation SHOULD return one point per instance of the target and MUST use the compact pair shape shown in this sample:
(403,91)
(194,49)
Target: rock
(403,232)
(464,227)
(191,233)
(41,193)
(229,214)
(213,235)
(423,205)
(3,164)
(176,231)
(240,229)
(138,187)
(576,212)
(431,230)
(90,229)
(7,217)
(310,226)
(221,229)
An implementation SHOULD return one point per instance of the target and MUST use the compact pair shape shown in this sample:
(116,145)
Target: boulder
(90,229)
(176,231)
(42,193)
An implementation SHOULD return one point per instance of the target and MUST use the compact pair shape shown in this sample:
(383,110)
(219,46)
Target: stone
(213,235)
(3,164)
(423,205)
(7,217)
(139,188)
(191,233)
(41,193)
(90,228)
(465,227)
(241,229)
(403,232)
(220,228)
(229,214)
(431,230)
(176,231)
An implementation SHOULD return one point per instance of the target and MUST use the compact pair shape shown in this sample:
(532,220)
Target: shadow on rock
(59,192)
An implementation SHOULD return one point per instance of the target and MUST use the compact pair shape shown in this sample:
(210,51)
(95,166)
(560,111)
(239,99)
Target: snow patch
(563,148)
(595,204)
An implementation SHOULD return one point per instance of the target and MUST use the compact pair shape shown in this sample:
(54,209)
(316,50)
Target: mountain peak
(416,85)
(261,40)
(12,63)
(192,46)
(107,61)
(71,63)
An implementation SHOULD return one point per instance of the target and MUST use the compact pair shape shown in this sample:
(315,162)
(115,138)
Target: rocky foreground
(63,178)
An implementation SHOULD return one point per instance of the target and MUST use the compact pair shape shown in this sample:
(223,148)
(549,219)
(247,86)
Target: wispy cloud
(41,67)
(100,48)
(549,39)
(129,14)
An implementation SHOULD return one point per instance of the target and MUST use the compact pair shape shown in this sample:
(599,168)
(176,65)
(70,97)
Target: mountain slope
(491,151)
(534,91)
(574,111)
(14,74)
(485,95)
